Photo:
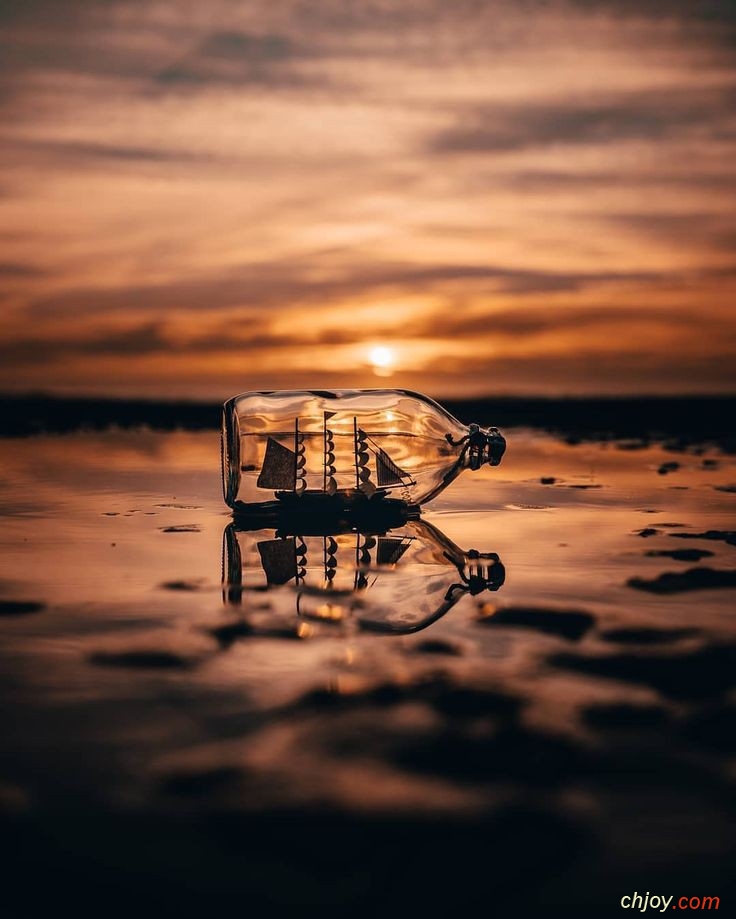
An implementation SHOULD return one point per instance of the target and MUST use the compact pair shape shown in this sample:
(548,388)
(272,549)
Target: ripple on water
(673,582)
(570,624)
(701,674)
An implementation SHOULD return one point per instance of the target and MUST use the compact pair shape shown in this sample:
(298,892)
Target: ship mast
(299,459)
(355,453)
(329,485)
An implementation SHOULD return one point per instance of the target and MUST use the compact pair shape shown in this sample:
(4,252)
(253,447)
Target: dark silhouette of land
(678,421)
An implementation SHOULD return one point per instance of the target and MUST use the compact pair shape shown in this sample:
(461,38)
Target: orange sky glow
(512,197)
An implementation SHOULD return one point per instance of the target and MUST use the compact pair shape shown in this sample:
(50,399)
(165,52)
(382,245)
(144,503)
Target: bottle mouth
(487,445)
(495,446)
(483,571)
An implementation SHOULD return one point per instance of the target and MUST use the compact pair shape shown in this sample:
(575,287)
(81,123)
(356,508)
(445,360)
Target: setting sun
(382,358)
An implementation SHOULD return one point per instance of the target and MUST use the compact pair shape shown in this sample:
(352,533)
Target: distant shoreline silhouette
(679,421)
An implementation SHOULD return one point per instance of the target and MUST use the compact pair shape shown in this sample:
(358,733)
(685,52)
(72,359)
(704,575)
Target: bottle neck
(479,446)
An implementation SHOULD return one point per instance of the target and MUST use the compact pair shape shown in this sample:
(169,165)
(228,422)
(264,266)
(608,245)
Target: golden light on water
(333,612)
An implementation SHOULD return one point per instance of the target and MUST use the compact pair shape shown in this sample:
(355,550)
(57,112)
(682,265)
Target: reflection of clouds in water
(90,510)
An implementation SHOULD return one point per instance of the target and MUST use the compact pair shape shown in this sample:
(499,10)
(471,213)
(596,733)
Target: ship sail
(283,468)
(362,560)
(391,548)
(283,559)
(330,483)
(388,472)
(278,466)
(362,456)
(329,558)
(363,551)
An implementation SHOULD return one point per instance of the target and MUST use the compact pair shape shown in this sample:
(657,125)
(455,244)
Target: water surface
(574,723)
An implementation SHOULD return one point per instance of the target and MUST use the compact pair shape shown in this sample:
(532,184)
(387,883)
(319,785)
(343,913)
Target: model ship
(284,468)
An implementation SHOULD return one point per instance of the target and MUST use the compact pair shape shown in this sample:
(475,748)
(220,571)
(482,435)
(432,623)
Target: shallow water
(582,707)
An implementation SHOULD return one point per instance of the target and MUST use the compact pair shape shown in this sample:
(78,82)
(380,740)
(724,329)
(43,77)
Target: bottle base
(319,514)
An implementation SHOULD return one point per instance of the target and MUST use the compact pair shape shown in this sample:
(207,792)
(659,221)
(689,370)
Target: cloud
(605,324)
(240,59)
(289,283)
(152,339)
(644,177)
(145,338)
(614,372)
(20,270)
(528,323)
(236,46)
(641,115)
(713,231)
(185,184)
(708,11)
(75,153)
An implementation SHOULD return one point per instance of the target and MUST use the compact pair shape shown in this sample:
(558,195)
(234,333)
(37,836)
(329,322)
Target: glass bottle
(345,447)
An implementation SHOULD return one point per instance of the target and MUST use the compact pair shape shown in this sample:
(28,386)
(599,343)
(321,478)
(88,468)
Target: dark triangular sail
(390,549)
(279,467)
(388,473)
(279,559)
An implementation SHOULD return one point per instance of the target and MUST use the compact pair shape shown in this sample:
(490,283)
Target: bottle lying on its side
(341,448)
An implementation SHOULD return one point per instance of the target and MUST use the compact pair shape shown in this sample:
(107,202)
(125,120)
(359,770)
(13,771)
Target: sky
(467,198)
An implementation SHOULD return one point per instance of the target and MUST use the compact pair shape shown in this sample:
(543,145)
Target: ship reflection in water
(361,574)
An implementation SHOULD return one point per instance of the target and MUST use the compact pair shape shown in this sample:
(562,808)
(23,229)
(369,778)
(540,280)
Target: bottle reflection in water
(322,447)
(397,581)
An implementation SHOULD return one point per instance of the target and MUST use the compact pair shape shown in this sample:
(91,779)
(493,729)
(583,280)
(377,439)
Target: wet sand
(556,739)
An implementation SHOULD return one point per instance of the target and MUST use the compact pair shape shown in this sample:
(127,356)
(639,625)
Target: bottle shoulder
(370,396)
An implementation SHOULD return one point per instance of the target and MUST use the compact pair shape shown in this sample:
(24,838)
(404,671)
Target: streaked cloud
(239,59)
(643,115)
(518,196)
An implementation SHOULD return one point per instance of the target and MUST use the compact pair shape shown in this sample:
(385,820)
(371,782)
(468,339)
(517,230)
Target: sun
(382,359)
